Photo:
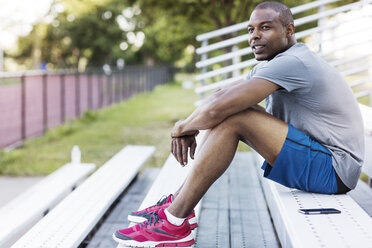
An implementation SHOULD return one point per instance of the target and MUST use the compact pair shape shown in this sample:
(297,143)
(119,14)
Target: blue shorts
(303,164)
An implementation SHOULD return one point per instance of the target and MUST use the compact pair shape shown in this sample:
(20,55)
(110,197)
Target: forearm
(224,103)
(202,118)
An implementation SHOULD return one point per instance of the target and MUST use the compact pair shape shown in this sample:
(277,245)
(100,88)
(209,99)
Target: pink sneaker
(163,203)
(156,232)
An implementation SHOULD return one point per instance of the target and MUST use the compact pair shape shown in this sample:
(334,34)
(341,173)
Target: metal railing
(33,102)
(228,73)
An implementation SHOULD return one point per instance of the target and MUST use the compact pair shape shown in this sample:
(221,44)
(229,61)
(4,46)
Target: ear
(290,30)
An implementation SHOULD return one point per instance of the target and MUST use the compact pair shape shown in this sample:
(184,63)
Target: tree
(170,26)
(82,33)
(91,32)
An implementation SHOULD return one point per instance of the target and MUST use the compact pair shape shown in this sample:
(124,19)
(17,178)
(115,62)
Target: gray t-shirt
(315,99)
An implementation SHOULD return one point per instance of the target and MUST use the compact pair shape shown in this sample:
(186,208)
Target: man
(311,134)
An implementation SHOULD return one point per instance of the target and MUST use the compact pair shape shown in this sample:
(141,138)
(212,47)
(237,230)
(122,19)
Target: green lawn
(145,119)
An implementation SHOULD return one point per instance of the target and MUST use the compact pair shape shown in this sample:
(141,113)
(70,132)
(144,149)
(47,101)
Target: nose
(255,35)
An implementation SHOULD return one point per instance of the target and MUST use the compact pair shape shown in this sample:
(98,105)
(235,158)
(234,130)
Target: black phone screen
(319,211)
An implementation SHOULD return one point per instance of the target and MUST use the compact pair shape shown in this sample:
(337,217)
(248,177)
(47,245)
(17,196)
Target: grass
(145,119)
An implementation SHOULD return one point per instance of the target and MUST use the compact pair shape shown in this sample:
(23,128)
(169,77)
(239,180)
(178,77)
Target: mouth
(258,48)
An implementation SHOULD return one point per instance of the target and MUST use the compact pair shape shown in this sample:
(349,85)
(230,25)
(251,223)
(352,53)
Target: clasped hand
(181,145)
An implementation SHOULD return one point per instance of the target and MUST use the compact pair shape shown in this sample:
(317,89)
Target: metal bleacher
(341,34)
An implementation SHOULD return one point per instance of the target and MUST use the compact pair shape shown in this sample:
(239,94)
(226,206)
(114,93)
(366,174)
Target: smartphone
(319,211)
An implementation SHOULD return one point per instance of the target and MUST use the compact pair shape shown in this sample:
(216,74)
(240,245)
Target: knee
(234,122)
(239,122)
(244,116)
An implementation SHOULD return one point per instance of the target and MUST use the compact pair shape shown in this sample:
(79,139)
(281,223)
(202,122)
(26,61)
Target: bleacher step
(362,195)
(117,218)
(234,211)
(72,220)
(351,228)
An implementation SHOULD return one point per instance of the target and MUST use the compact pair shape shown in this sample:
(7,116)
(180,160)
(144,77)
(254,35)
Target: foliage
(90,33)
(170,26)
(83,33)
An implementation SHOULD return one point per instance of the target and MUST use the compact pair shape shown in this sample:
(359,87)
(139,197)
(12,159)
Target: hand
(177,130)
(180,147)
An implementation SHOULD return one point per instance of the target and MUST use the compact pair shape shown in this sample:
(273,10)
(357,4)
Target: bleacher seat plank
(20,214)
(362,195)
(70,221)
(170,178)
(128,202)
(367,118)
(351,228)
(234,211)
(213,230)
(367,165)
(167,182)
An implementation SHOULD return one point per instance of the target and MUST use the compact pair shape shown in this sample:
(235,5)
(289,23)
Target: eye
(265,27)
(250,30)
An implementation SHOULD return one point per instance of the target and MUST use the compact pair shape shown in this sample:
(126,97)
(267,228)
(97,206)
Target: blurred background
(81,34)
(102,74)
(66,59)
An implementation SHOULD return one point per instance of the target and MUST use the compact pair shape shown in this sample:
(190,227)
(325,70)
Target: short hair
(285,14)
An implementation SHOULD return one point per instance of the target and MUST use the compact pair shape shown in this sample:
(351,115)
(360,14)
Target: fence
(32,103)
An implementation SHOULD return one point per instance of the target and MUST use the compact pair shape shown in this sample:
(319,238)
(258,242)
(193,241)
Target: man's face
(268,36)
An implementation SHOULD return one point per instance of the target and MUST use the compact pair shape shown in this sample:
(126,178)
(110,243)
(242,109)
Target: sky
(17,17)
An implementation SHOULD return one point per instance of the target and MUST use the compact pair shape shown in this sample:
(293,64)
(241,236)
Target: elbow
(214,111)
(215,115)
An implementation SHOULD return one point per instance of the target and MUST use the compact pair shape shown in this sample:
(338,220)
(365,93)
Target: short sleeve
(287,71)
(250,74)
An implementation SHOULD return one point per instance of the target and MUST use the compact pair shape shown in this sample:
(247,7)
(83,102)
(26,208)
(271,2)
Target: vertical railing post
(90,91)
(236,60)
(122,83)
(63,97)
(321,23)
(136,81)
(77,94)
(116,85)
(45,102)
(109,89)
(113,82)
(23,107)
(127,84)
(204,56)
(100,91)
(1,59)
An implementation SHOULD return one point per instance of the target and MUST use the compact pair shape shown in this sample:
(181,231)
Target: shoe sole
(185,242)
(137,219)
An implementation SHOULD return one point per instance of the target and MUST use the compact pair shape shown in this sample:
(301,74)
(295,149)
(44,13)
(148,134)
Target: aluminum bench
(20,214)
(351,228)
(72,220)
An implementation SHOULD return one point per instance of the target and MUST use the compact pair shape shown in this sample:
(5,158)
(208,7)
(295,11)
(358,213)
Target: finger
(192,149)
(175,149)
(184,152)
(172,147)
(179,151)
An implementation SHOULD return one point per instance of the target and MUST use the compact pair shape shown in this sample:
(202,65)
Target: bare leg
(264,132)
(202,142)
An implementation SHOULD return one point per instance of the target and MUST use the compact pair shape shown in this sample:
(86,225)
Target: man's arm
(223,104)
